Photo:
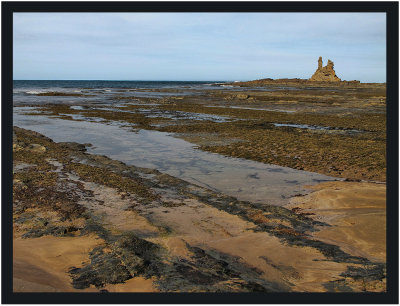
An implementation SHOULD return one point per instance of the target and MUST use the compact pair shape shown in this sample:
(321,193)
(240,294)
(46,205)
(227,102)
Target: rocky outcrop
(325,74)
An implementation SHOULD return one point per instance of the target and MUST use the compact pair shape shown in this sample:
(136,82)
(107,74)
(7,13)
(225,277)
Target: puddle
(266,109)
(22,166)
(127,104)
(77,107)
(180,115)
(255,108)
(157,94)
(31,109)
(303,126)
(247,180)
(316,127)
(81,117)
(157,113)
(112,109)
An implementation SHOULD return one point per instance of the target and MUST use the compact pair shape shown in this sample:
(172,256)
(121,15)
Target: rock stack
(325,74)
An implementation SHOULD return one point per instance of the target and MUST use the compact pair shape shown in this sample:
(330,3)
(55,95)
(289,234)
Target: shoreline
(151,231)
(194,232)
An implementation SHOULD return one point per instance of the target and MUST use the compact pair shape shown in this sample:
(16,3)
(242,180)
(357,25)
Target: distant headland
(323,76)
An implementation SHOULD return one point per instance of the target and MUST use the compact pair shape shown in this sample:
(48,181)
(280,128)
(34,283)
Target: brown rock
(325,74)
(36,148)
(237,96)
(242,96)
(17,147)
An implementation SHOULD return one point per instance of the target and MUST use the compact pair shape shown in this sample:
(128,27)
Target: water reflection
(244,179)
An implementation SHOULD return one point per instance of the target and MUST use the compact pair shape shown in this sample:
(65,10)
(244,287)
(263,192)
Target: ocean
(71,91)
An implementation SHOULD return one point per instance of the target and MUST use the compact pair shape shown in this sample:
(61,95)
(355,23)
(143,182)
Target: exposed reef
(88,223)
(324,76)
(161,230)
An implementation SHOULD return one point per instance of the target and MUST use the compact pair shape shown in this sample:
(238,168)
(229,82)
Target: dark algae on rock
(121,259)
(54,182)
(129,256)
(346,135)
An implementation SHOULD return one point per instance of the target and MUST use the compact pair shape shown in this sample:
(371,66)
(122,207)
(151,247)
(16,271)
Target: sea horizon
(127,80)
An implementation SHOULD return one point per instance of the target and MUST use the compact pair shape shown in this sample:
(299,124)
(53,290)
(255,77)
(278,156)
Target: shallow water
(180,115)
(316,127)
(303,126)
(255,108)
(159,113)
(244,179)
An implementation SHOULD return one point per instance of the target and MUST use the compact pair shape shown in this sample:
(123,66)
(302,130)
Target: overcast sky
(197,46)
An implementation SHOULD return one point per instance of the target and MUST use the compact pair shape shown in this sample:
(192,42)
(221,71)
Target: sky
(197,46)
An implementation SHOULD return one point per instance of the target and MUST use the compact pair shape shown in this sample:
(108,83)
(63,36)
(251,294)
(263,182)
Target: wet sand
(356,213)
(40,264)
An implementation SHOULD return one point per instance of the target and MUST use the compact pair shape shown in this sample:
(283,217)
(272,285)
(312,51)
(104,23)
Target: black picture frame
(391,296)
